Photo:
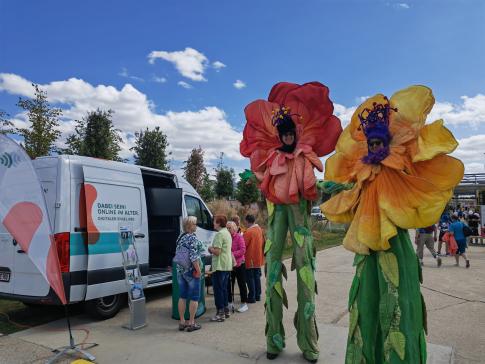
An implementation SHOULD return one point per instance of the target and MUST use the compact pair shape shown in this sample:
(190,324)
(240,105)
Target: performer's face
(375,145)
(288,138)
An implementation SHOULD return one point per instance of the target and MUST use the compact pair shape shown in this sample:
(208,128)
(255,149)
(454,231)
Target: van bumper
(50,299)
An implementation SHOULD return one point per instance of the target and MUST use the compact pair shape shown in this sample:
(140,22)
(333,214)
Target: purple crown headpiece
(376,118)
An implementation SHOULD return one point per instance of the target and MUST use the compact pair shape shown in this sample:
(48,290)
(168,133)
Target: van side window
(192,205)
(195,208)
(206,219)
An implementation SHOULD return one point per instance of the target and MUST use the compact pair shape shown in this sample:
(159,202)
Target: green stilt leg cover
(294,218)
(387,312)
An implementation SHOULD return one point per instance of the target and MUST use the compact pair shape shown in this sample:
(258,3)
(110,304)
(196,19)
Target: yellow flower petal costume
(405,183)
(408,189)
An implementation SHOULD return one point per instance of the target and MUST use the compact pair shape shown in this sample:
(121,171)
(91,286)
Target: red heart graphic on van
(22,221)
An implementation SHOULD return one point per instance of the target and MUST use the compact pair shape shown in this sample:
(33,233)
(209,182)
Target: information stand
(133,279)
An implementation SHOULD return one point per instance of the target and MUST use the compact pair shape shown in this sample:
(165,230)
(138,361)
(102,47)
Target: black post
(71,339)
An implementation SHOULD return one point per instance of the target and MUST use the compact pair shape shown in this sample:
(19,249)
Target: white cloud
(471,151)
(359,100)
(124,73)
(184,84)
(159,79)
(189,62)
(403,6)
(343,113)
(218,65)
(16,85)
(471,111)
(207,127)
(239,84)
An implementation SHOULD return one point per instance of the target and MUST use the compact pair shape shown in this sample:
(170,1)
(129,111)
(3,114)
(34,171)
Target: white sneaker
(242,308)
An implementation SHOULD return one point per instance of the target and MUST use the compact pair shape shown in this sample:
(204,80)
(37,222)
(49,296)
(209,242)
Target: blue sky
(93,54)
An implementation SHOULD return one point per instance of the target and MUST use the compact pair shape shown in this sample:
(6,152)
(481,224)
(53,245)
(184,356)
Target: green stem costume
(387,311)
(297,220)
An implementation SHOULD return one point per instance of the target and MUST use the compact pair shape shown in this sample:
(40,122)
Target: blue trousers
(219,282)
(253,279)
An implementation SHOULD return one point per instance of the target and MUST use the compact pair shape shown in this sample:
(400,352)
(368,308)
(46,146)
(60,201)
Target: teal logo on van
(9,159)
(108,243)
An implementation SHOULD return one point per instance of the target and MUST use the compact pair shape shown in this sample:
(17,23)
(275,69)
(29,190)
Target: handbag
(467,231)
(182,256)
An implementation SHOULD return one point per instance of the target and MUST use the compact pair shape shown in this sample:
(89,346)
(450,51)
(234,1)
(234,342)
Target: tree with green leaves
(224,180)
(207,191)
(194,170)
(95,136)
(151,149)
(6,126)
(43,132)
(247,192)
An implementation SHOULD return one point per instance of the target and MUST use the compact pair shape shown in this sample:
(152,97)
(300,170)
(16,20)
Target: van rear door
(18,274)
(28,281)
(6,261)
(113,198)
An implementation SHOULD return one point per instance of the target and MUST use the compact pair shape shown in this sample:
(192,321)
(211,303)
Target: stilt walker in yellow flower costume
(284,138)
(391,167)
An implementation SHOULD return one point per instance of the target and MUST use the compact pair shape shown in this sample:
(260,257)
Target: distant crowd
(453,230)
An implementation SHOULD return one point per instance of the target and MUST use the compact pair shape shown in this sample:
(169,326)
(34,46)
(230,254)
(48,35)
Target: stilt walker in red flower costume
(284,138)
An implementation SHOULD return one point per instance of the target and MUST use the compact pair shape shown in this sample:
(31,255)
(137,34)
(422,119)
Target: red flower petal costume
(302,117)
(285,177)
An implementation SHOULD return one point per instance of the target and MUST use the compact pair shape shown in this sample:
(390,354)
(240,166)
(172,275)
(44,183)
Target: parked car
(317,213)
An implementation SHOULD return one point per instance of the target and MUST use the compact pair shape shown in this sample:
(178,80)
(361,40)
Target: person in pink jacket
(239,270)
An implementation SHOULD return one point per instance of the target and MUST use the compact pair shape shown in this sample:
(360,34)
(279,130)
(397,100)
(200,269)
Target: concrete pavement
(455,299)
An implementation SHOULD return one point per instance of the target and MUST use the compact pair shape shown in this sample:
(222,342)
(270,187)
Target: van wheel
(105,307)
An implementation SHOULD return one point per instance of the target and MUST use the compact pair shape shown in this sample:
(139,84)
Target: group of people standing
(237,255)
(453,228)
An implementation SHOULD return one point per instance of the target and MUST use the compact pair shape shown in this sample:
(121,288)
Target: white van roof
(181,182)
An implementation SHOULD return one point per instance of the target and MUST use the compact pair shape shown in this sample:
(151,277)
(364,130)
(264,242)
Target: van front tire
(105,307)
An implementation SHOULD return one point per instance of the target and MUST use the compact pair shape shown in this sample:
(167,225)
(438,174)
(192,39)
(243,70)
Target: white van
(88,199)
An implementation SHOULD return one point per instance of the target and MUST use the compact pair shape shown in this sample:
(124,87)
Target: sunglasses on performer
(375,143)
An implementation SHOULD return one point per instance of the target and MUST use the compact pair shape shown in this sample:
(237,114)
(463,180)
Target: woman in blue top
(189,279)
(456,228)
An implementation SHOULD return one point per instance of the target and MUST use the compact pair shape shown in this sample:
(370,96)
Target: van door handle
(14,242)
(20,251)
(139,236)
(80,230)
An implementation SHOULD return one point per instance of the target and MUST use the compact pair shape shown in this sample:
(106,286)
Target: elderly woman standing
(239,270)
(189,279)
(221,266)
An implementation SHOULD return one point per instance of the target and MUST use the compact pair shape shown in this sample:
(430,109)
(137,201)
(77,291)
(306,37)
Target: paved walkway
(455,299)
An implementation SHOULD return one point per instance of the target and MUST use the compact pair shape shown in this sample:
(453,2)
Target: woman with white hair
(189,279)
(238,250)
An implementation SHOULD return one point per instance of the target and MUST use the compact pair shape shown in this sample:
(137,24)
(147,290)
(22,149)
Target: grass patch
(16,316)
(323,238)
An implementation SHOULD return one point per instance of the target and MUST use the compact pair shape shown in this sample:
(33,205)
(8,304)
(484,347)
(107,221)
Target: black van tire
(105,307)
